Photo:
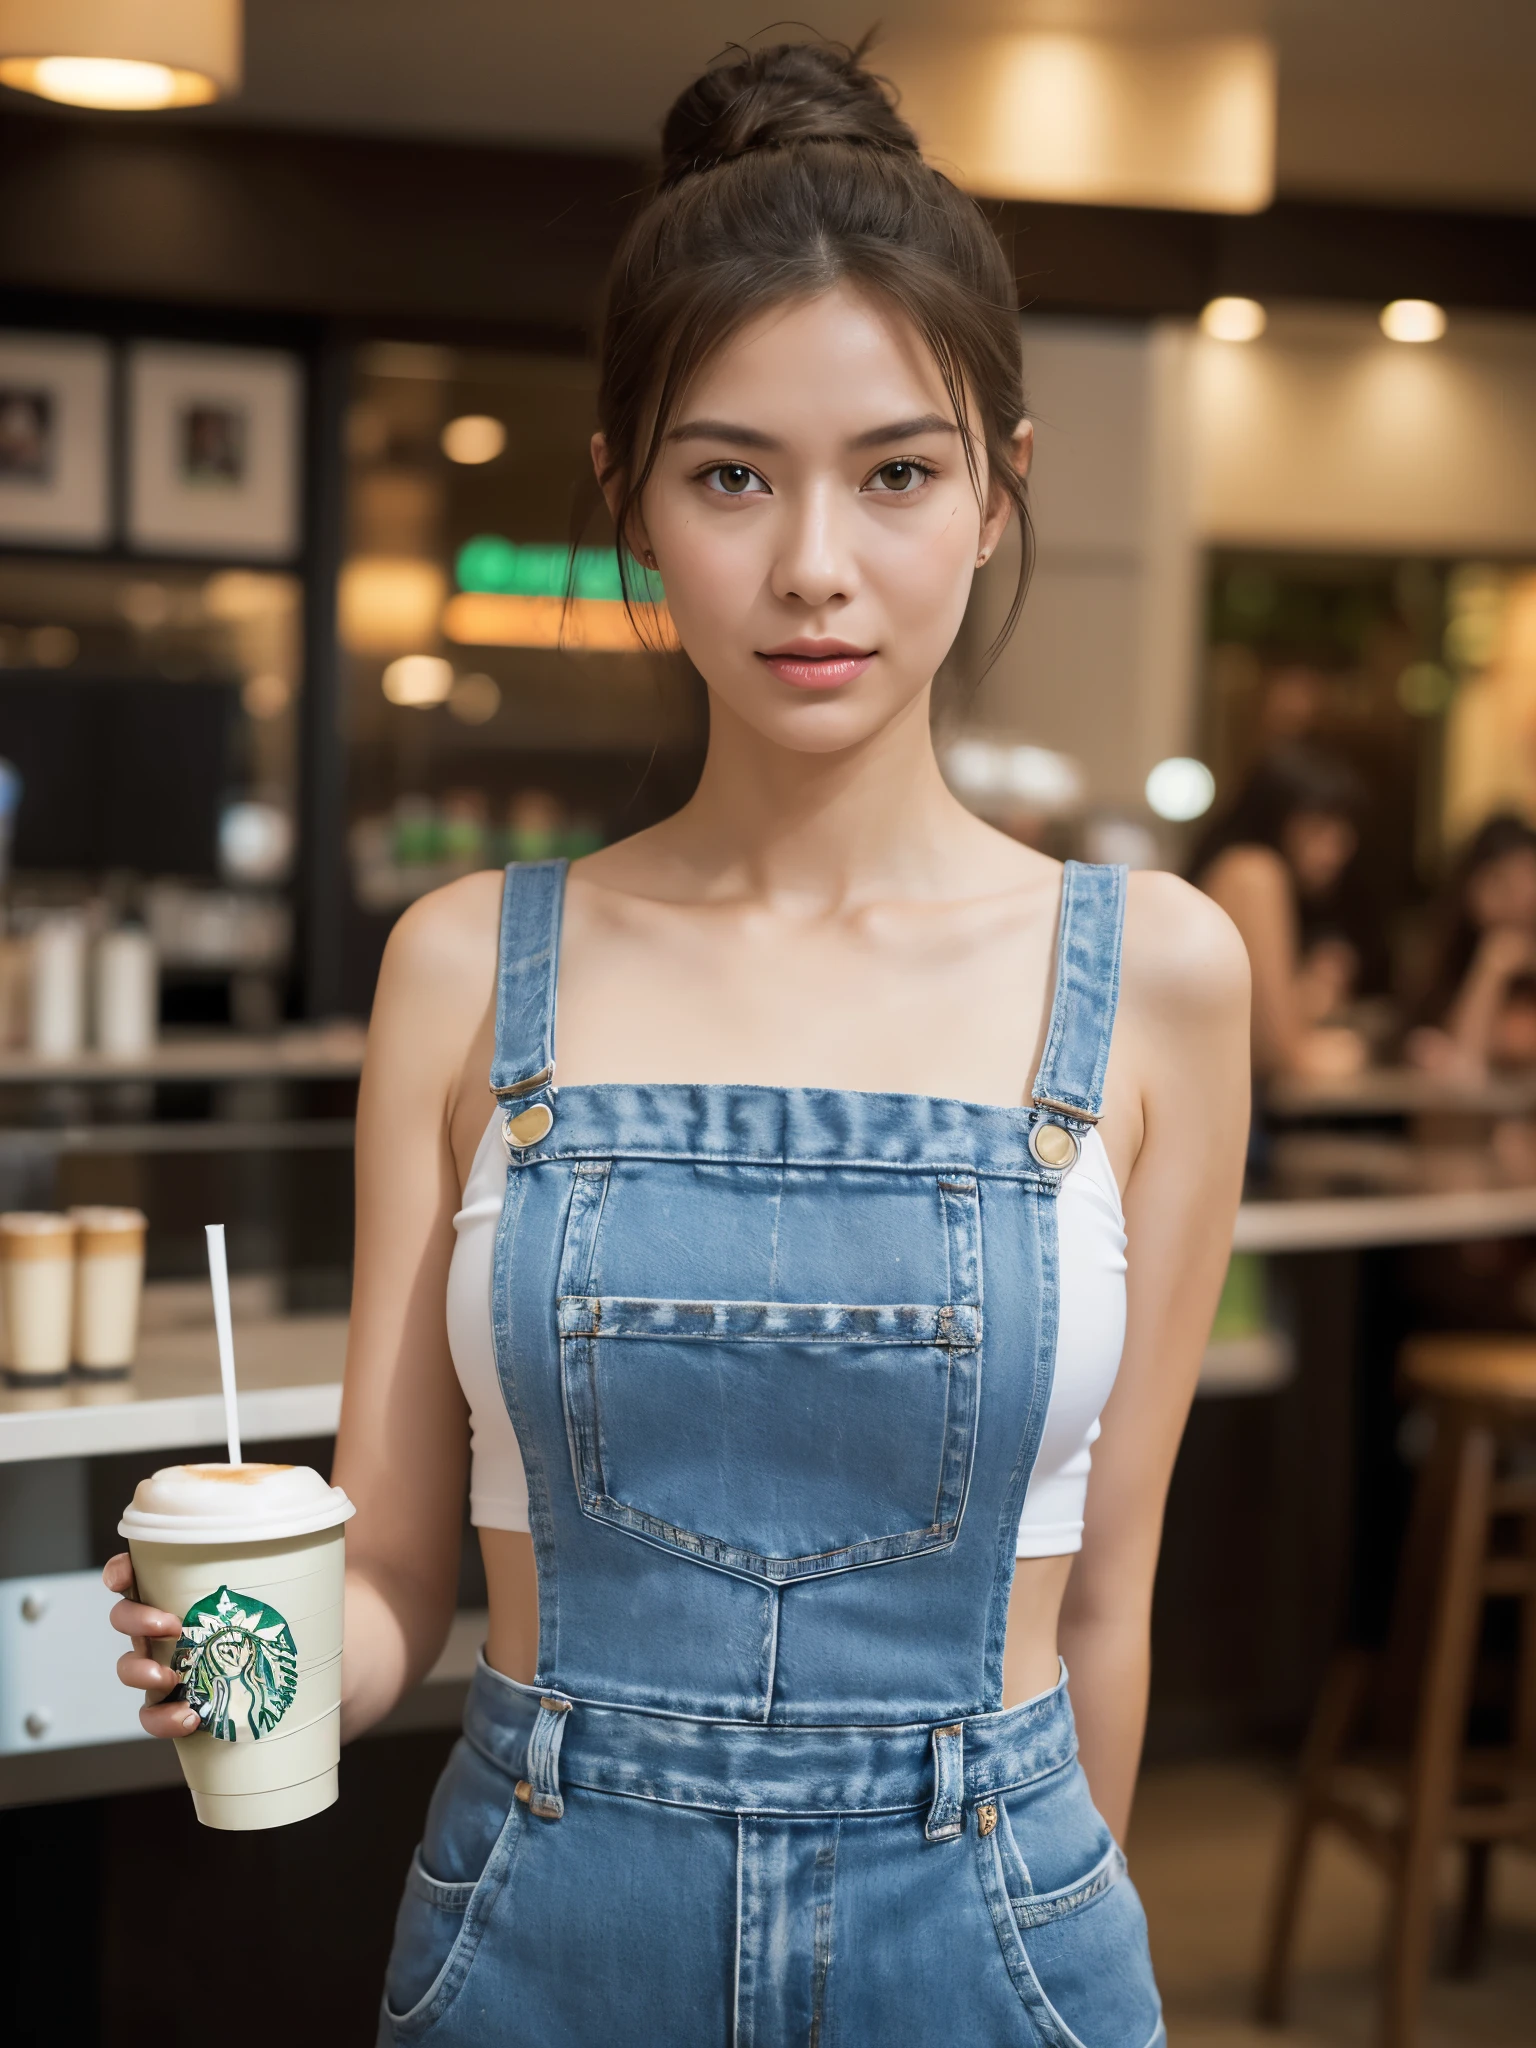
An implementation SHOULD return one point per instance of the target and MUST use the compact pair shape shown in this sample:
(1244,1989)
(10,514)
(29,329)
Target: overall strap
(1071,1076)
(532,902)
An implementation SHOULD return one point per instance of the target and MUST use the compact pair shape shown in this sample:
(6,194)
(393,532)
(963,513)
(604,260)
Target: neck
(826,829)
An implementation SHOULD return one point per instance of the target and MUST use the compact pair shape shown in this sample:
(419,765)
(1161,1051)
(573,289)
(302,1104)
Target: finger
(117,1573)
(168,1720)
(129,1618)
(146,1674)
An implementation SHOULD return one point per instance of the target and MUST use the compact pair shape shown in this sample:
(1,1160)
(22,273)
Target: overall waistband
(546,1740)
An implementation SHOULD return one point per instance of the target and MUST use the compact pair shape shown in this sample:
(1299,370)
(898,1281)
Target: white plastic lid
(97,1217)
(232,1504)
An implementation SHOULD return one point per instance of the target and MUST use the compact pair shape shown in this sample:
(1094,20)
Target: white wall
(1154,444)
(1101,666)
(1325,435)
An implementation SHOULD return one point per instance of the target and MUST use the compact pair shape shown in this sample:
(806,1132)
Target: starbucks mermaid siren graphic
(237,1664)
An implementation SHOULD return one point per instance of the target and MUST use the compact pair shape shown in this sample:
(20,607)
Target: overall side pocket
(474,1828)
(1077,1953)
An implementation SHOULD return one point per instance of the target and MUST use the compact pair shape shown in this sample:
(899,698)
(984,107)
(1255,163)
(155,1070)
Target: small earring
(981,559)
(649,558)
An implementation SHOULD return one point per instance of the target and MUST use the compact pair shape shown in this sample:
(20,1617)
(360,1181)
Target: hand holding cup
(137,1668)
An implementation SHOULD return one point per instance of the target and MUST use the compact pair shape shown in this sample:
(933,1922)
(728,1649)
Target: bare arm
(402,1449)
(403,1446)
(1251,885)
(1184,1036)
(1472,1017)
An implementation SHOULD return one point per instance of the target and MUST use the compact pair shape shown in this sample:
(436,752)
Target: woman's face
(814,522)
(1502,892)
(1318,845)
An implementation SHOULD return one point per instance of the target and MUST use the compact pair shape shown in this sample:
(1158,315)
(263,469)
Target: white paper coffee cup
(252,1557)
(109,1281)
(38,1250)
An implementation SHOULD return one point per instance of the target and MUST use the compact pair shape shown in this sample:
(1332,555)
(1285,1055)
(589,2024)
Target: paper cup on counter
(37,1251)
(109,1282)
(252,1557)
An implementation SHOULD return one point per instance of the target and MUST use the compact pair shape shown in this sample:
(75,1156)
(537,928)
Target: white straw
(218,1272)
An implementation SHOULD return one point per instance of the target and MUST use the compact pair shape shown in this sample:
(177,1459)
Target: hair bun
(763,99)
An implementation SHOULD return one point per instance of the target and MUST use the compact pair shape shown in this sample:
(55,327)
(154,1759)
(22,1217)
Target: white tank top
(1089,1336)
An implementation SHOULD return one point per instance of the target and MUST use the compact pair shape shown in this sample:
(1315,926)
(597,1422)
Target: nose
(814,563)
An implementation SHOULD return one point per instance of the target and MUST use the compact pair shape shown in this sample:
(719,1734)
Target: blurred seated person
(1281,846)
(1480,1010)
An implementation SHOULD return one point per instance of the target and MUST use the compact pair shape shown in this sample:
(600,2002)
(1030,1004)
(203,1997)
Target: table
(1397,1092)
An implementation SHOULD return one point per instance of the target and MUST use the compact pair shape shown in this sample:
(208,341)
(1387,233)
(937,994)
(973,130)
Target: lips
(817,664)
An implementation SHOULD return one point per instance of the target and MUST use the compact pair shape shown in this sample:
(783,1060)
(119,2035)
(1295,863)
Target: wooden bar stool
(1386,1759)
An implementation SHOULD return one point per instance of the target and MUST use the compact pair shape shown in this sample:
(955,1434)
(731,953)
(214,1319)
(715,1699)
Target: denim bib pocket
(442,1917)
(776,1439)
(1077,1953)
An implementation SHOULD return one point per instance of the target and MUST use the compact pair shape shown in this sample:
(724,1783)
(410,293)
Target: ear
(1021,453)
(639,543)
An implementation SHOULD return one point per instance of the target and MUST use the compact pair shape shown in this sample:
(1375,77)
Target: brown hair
(787,170)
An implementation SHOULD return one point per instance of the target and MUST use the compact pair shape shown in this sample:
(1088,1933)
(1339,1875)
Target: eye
(900,478)
(734,479)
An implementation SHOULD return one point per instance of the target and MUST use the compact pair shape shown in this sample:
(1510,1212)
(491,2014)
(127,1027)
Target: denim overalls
(778,1361)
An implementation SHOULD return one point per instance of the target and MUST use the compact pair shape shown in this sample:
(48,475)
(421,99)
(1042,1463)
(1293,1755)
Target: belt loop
(945,1820)
(543,1780)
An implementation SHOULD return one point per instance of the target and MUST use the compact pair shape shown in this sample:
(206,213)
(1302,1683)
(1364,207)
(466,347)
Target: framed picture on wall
(213,451)
(55,440)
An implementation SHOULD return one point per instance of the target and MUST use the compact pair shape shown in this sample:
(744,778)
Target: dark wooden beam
(452,239)
(348,228)
(1133,260)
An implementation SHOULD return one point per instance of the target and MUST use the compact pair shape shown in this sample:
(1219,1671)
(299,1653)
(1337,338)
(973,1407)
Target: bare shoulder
(439,972)
(1244,876)
(453,932)
(1183,962)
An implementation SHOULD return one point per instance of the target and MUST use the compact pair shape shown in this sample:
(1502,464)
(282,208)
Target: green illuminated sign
(506,568)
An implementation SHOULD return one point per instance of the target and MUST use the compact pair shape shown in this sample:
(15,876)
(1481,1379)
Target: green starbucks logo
(237,1663)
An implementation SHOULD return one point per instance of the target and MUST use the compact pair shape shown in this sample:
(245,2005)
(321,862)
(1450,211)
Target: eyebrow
(905,430)
(753,437)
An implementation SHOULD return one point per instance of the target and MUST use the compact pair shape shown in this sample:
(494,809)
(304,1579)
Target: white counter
(290,1386)
(1327,1223)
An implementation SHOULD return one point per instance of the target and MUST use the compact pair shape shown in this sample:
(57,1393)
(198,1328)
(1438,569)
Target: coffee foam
(189,1503)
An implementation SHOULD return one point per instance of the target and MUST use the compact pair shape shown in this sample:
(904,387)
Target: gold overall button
(1053,1145)
(530,1125)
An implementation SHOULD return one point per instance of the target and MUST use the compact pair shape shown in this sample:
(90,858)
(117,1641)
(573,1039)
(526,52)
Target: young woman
(1480,1007)
(1283,844)
(785,1322)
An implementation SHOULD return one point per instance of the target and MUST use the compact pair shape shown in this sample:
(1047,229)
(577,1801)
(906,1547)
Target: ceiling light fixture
(1413,320)
(126,56)
(1180,789)
(474,437)
(419,680)
(1233,319)
(1108,120)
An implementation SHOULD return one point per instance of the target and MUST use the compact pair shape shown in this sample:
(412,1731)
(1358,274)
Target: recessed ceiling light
(1413,320)
(1233,319)
(474,437)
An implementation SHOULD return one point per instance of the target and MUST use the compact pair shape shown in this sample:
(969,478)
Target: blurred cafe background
(295,390)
